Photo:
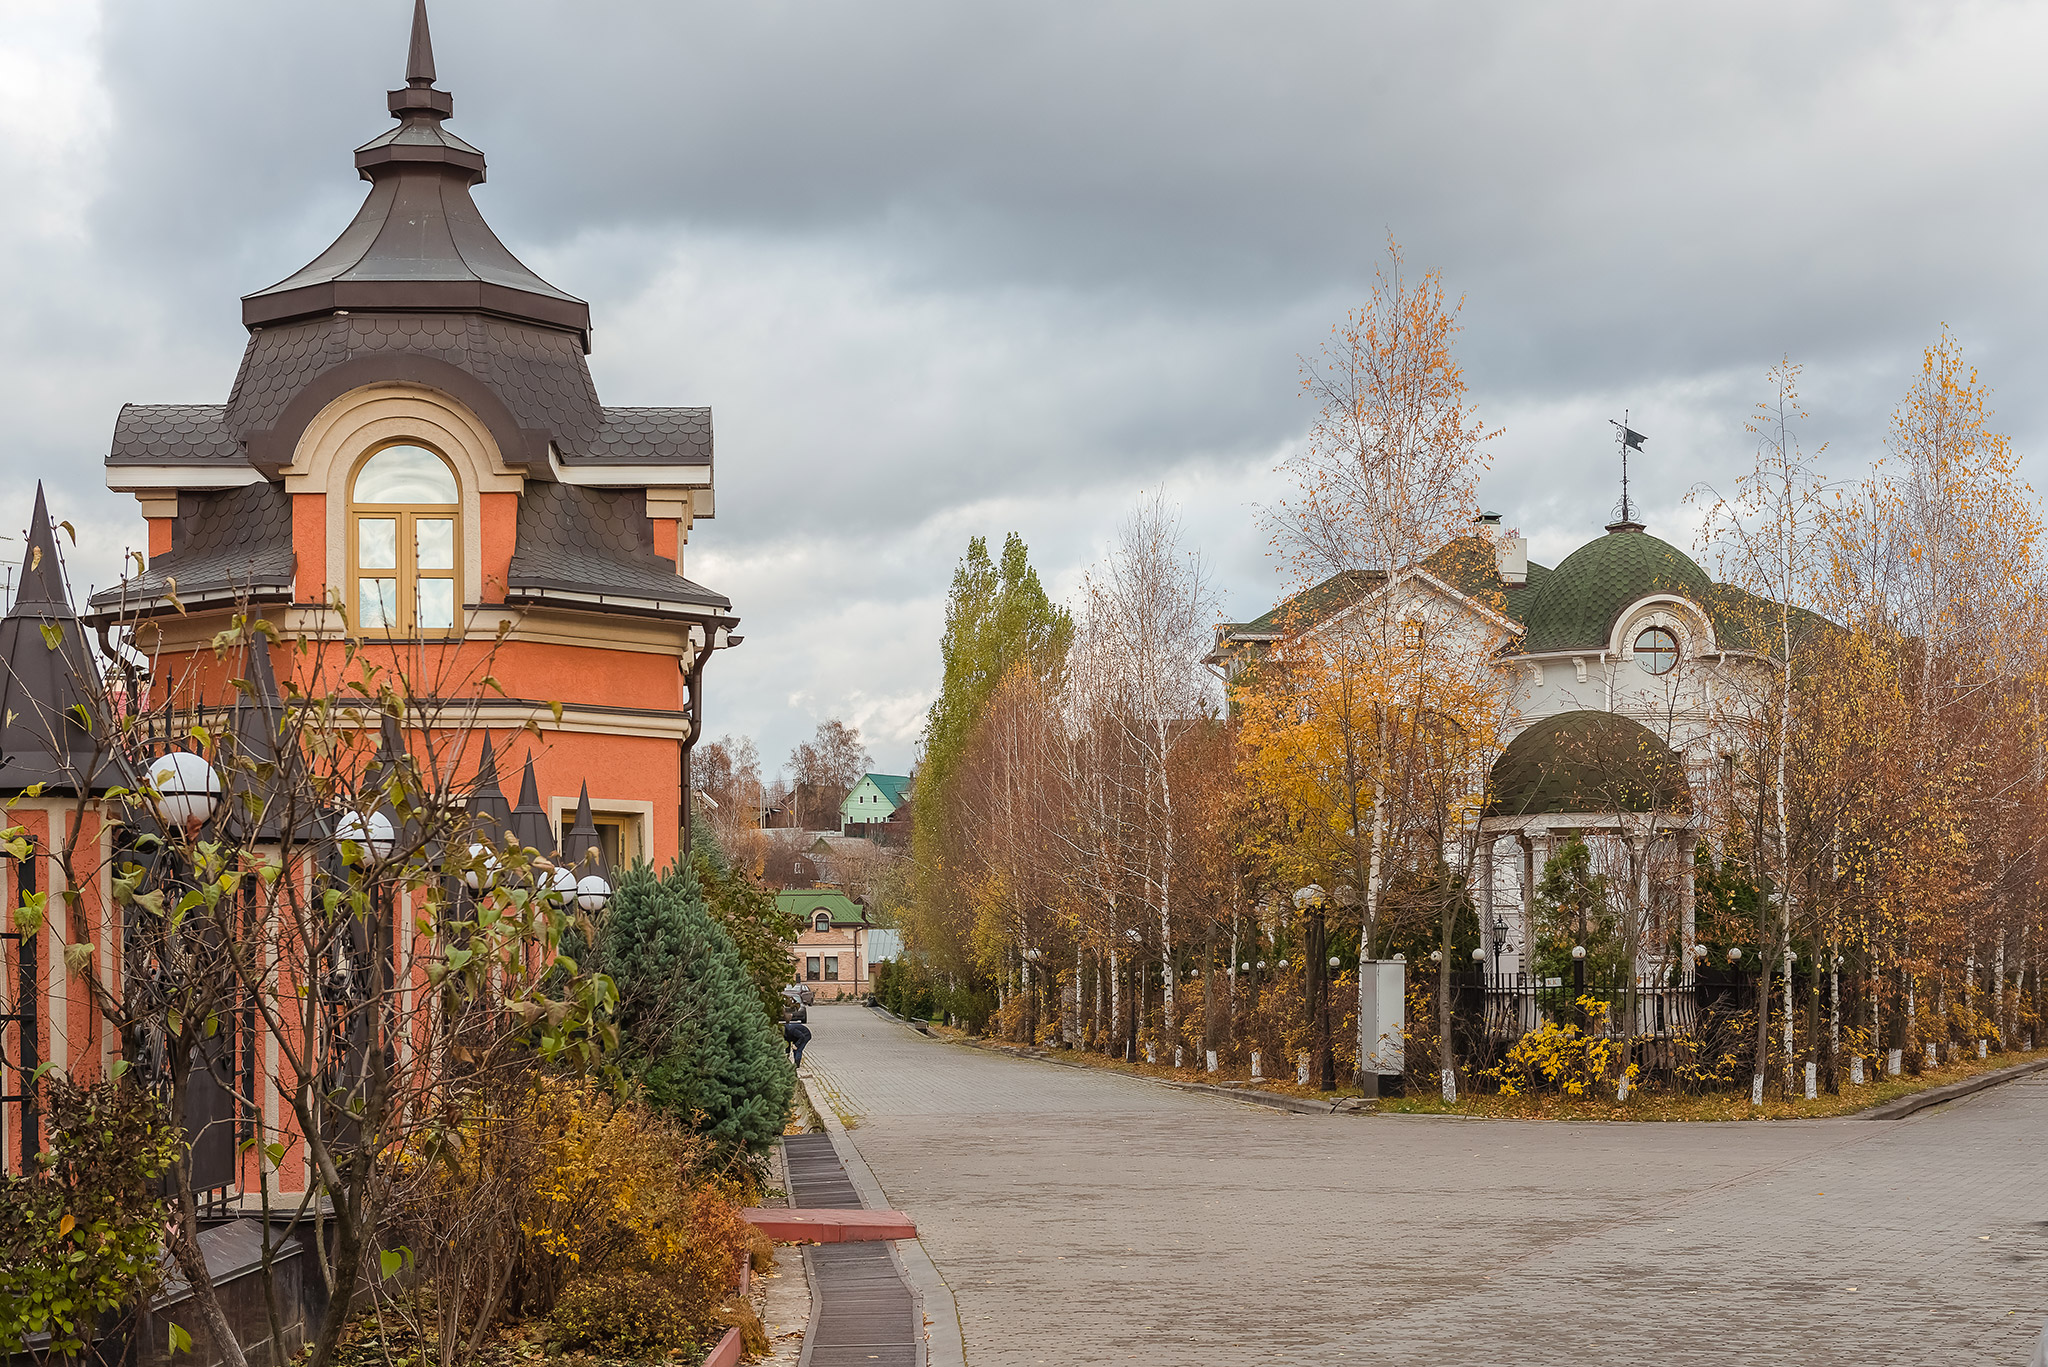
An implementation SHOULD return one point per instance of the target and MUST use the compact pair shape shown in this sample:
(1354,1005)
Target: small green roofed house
(876,798)
(831,949)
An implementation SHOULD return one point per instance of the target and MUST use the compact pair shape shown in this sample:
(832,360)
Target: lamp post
(1313,901)
(1578,978)
(1030,997)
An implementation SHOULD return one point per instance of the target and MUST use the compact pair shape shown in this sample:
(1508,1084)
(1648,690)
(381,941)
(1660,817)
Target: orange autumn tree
(1936,559)
(1366,733)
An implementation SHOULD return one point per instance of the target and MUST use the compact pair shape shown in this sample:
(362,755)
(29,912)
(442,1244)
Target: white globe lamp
(373,833)
(483,868)
(592,892)
(186,789)
(562,885)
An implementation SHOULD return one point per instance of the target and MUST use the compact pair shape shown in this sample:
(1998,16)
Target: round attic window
(1657,650)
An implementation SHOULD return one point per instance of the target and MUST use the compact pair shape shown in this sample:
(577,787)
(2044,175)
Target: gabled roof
(894,787)
(804,903)
(1305,608)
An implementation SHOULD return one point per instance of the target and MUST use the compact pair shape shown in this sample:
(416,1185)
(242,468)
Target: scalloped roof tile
(596,542)
(236,540)
(1577,604)
(652,436)
(174,432)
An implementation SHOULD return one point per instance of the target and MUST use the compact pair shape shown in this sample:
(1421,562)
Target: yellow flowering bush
(1572,1059)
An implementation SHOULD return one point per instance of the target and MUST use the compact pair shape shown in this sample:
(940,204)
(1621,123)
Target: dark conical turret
(487,802)
(530,824)
(262,758)
(418,243)
(45,671)
(582,849)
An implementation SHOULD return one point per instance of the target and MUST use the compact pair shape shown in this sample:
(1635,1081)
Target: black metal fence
(1693,1026)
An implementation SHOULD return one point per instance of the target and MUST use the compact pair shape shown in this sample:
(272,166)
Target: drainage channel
(861,1311)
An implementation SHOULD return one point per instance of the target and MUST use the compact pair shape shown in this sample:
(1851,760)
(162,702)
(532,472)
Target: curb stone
(1901,1107)
(1897,1109)
(944,1343)
(1278,1101)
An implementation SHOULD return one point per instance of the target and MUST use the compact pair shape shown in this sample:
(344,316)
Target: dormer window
(1657,650)
(405,539)
(821,920)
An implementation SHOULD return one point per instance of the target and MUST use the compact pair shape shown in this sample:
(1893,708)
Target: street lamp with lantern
(1314,903)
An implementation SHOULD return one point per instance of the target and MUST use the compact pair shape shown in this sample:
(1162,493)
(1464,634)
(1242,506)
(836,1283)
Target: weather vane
(1631,440)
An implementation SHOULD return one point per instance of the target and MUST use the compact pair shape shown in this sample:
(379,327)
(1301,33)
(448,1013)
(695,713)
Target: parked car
(800,993)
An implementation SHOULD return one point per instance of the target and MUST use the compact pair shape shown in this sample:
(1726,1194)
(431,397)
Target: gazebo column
(1686,916)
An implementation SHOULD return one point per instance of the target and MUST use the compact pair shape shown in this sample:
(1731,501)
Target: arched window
(1657,650)
(405,543)
(821,921)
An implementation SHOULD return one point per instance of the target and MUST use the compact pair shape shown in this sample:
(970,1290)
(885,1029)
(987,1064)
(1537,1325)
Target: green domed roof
(1578,602)
(1587,762)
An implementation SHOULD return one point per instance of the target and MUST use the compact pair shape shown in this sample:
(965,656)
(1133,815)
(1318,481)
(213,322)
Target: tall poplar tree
(997,616)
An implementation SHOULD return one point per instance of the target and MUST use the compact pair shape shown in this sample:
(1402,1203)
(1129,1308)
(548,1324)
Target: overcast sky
(944,269)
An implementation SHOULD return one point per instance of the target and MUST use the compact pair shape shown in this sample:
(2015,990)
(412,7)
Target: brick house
(831,951)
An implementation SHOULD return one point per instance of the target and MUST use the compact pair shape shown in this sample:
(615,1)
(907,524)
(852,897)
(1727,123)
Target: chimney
(1510,550)
(1513,554)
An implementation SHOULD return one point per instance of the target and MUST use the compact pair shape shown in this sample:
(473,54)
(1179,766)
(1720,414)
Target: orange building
(412,454)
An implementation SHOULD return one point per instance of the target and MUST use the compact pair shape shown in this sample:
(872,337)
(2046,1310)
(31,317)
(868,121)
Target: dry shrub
(739,1315)
(623,1312)
(556,1185)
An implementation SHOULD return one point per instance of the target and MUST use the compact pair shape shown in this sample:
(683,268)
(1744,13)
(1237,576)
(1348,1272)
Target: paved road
(1087,1218)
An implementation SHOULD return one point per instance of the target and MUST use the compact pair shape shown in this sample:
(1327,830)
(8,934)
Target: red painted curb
(829,1226)
(728,1351)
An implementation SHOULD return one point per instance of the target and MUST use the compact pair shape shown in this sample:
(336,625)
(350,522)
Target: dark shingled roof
(653,436)
(418,240)
(1311,605)
(1576,606)
(175,432)
(1587,762)
(42,677)
(234,541)
(596,543)
(419,290)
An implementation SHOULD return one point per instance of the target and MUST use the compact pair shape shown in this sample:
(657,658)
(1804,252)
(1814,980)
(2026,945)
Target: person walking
(796,1032)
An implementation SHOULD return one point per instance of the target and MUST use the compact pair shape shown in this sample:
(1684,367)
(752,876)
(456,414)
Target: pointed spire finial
(487,802)
(530,824)
(419,58)
(582,849)
(417,103)
(42,582)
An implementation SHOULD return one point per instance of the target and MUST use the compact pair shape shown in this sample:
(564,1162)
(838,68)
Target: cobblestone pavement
(1082,1217)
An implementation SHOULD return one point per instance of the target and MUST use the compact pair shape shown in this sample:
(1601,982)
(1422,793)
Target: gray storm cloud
(947,269)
